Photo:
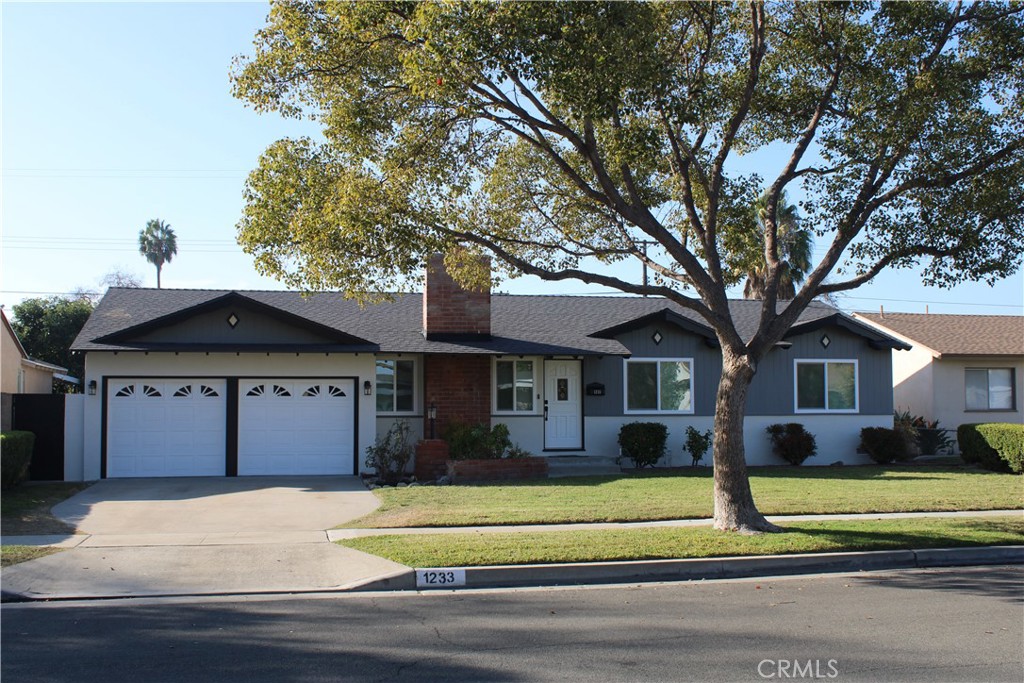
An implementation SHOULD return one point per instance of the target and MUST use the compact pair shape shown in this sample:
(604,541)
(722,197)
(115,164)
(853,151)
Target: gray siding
(772,390)
(675,343)
(252,328)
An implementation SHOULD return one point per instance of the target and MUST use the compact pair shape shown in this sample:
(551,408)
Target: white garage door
(165,428)
(296,426)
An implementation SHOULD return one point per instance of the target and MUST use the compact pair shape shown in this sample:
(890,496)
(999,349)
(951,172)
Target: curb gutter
(518,576)
(592,573)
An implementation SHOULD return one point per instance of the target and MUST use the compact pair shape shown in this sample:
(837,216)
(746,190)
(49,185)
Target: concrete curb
(592,573)
(517,576)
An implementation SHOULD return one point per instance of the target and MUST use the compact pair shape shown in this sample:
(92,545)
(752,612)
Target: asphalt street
(921,625)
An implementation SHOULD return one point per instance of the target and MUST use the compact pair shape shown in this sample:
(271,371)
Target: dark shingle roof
(957,335)
(519,324)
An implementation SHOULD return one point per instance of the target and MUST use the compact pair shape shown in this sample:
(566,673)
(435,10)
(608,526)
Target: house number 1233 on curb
(440,578)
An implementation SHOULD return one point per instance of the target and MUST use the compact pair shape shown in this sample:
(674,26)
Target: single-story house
(215,383)
(21,374)
(962,368)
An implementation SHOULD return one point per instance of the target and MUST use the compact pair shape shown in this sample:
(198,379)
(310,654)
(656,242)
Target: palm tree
(159,244)
(794,243)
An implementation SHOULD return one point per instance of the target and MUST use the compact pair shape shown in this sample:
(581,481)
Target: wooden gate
(43,415)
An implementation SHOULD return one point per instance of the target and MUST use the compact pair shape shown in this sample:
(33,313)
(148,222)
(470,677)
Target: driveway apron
(195,536)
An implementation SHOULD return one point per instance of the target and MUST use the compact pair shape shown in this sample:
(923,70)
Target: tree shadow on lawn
(845,473)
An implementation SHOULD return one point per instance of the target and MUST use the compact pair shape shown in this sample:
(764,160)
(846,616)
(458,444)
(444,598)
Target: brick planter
(498,470)
(431,459)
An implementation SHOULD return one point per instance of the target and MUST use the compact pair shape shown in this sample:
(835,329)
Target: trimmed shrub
(792,442)
(15,457)
(391,454)
(476,441)
(996,446)
(883,445)
(643,442)
(697,444)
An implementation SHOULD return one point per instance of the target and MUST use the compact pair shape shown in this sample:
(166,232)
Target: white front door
(296,426)
(563,405)
(166,428)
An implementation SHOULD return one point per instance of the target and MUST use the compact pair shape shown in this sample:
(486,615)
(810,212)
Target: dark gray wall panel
(772,390)
(252,328)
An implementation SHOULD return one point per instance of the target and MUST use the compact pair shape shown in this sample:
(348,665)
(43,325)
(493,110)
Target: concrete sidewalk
(342,534)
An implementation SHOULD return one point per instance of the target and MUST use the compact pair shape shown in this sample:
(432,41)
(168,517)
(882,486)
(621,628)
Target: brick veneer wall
(460,388)
(431,459)
(448,309)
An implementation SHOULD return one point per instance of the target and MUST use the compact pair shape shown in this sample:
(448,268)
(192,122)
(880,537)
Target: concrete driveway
(202,536)
(204,505)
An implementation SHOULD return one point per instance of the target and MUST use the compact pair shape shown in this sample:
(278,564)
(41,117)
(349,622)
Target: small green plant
(391,454)
(697,444)
(518,452)
(643,442)
(933,439)
(883,445)
(996,446)
(15,457)
(792,442)
(476,441)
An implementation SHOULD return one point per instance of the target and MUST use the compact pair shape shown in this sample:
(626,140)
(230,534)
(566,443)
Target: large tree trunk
(158,276)
(734,504)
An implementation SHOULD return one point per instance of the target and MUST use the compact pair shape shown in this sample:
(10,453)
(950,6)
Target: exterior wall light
(432,414)
(367,388)
(92,387)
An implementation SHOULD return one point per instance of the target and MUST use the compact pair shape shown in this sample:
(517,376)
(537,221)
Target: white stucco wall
(219,365)
(913,382)
(837,436)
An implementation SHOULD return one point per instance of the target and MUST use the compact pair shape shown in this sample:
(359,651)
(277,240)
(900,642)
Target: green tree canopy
(558,136)
(795,243)
(159,244)
(48,326)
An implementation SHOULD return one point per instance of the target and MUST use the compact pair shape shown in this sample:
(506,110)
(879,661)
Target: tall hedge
(15,457)
(997,446)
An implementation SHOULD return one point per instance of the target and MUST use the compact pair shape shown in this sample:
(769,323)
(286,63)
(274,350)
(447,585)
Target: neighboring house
(962,368)
(195,382)
(20,374)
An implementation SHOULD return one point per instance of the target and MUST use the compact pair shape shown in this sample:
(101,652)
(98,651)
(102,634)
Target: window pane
(504,382)
(524,385)
(675,386)
(842,386)
(976,380)
(1000,389)
(641,386)
(404,385)
(385,386)
(810,386)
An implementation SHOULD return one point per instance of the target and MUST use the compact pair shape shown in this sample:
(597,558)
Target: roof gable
(229,320)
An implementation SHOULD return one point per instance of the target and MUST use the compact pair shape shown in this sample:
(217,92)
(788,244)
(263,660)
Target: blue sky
(116,113)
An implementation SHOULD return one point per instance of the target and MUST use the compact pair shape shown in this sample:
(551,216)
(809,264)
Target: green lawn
(25,509)
(13,554)
(687,494)
(465,549)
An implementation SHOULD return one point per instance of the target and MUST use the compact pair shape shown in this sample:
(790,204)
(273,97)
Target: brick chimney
(451,312)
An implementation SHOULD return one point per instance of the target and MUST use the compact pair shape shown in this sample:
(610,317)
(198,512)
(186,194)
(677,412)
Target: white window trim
(825,361)
(537,401)
(416,365)
(625,386)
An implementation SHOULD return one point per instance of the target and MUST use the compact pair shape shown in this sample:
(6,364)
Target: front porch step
(581,465)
